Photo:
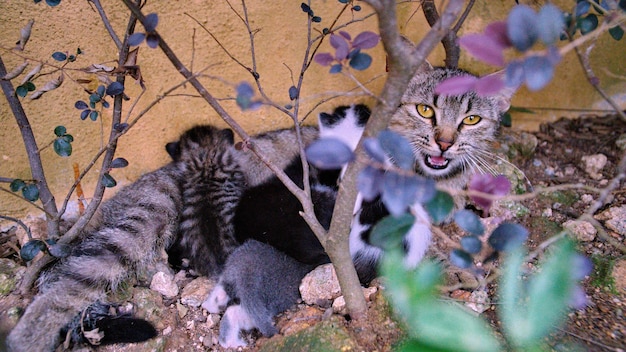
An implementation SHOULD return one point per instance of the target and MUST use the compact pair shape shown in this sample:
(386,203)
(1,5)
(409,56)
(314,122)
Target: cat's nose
(443,144)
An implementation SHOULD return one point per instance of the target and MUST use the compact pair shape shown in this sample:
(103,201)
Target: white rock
(164,284)
(196,291)
(582,230)
(615,219)
(320,285)
(594,164)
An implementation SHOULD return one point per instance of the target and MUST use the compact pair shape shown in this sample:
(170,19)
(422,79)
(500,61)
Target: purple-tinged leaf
(468,221)
(151,22)
(120,127)
(398,148)
(335,68)
(369,182)
(293,93)
(244,89)
(324,59)
(340,45)
(553,55)
(471,244)
(316,19)
(356,8)
(538,72)
(329,154)
(345,35)
(152,40)
(374,150)
(366,40)
(498,33)
(81,105)
(360,61)
(456,85)
(484,48)
(136,39)
(489,85)
(581,267)
(486,183)
(84,114)
(522,27)
(306,9)
(550,24)
(578,299)
(461,259)
(508,236)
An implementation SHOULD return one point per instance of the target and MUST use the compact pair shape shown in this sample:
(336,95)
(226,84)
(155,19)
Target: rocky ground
(582,152)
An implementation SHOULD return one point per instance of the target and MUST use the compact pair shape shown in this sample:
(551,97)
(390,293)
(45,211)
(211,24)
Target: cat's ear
(325,119)
(228,134)
(503,98)
(173,149)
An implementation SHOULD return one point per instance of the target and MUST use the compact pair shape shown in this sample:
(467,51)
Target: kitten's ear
(173,149)
(503,98)
(325,119)
(228,134)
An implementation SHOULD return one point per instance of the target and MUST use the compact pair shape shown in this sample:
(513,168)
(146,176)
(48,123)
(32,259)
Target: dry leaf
(16,71)
(24,35)
(51,85)
(32,73)
(94,68)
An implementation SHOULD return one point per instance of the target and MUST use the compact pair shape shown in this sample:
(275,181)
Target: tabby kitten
(451,137)
(132,231)
(212,186)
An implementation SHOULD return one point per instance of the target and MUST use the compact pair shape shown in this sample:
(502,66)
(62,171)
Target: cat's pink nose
(443,145)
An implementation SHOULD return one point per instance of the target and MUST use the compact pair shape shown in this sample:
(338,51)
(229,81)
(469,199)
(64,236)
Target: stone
(619,274)
(621,141)
(615,219)
(164,284)
(593,165)
(196,291)
(10,274)
(582,230)
(320,285)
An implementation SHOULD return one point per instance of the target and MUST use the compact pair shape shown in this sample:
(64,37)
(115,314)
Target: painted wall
(279,30)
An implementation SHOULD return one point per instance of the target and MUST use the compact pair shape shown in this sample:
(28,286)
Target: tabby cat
(134,228)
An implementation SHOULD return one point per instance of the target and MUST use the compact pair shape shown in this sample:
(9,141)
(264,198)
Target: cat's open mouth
(436,162)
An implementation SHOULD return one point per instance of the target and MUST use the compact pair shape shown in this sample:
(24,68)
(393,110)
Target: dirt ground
(556,159)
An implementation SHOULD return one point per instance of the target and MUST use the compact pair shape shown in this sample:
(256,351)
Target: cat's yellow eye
(425,111)
(471,120)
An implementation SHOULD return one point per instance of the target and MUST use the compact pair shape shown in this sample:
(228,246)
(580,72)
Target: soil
(556,159)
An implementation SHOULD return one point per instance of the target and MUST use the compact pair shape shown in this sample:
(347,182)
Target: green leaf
(30,86)
(511,293)
(60,131)
(17,185)
(108,180)
(588,23)
(62,147)
(93,115)
(440,206)
(360,61)
(31,248)
(413,345)
(53,2)
(389,232)
(31,192)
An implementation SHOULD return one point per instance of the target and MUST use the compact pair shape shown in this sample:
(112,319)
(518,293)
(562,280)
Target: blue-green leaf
(93,115)
(440,206)
(62,147)
(329,153)
(360,61)
(293,93)
(538,72)
(59,56)
(469,222)
(389,232)
(508,236)
(108,180)
(471,244)
(336,68)
(21,91)
(550,24)
(118,163)
(17,185)
(616,32)
(31,192)
(114,89)
(588,23)
(461,259)
(53,2)
(60,131)
(398,148)
(31,248)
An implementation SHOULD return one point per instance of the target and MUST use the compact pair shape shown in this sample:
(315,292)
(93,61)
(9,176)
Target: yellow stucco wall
(280,41)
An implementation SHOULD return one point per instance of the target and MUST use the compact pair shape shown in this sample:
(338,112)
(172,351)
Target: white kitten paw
(217,300)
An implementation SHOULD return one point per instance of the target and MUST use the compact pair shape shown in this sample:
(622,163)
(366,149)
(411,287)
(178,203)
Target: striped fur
(135,227)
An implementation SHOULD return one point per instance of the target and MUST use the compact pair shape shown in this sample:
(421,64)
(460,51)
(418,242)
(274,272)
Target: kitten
(451,136)
(129,236)
(264,277)
(212,186)
(258,282)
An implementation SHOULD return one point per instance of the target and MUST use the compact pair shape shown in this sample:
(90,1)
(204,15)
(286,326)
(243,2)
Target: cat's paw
(234,321)
(217,300)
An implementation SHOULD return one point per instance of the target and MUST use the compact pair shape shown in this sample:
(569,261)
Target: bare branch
(107,24)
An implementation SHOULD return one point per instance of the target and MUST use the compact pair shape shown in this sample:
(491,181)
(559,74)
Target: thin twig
(107,24)
(25,200)
(19,222)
